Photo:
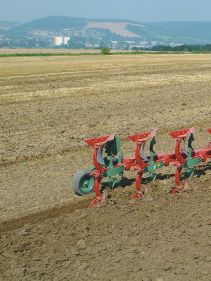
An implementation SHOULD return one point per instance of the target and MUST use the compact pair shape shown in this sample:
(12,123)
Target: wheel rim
(87,185)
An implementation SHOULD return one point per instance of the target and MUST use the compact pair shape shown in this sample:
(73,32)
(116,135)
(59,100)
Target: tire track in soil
(69,207)
(42,215)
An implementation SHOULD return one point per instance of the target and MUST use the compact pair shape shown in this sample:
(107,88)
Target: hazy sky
(141,10)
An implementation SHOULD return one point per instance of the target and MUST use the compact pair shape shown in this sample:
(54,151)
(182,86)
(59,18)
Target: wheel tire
(83,182)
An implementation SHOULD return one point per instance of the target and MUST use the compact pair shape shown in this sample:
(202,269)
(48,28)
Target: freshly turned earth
(48,105)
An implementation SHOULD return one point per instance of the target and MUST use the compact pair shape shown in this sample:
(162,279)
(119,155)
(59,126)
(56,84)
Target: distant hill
(54,23)
(187,32)
(7,25)
(96,32)
(115,20)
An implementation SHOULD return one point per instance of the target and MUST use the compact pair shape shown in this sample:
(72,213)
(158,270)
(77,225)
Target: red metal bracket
(140,162)
(142,137)
(96,142)
(182,134)
(96,201)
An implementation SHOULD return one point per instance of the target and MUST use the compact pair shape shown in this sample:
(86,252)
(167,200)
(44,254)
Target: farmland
(48,105)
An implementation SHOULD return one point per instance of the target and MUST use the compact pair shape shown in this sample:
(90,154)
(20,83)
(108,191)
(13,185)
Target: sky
(139,10)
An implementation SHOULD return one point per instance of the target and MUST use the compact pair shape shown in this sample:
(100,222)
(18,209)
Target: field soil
(48,105)
(44,51)
(119,28)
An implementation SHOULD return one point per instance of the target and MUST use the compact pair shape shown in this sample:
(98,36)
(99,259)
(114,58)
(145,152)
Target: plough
(109,162)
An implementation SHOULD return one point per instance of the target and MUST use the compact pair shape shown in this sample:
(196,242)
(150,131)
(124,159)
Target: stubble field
(48,105)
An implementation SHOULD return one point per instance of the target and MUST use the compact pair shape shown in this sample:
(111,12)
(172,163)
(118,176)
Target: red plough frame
(108,161)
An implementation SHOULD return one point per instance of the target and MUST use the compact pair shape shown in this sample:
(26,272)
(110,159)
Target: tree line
(183,48)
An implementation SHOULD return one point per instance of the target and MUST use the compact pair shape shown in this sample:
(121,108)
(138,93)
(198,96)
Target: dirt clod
(209,221)
(25,230)
(81,245)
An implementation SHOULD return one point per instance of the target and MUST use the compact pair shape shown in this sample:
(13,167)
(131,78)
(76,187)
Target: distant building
(57,41)
(61,40)
(66,39)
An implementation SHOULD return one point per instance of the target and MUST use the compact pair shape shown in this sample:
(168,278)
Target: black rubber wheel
(83,182)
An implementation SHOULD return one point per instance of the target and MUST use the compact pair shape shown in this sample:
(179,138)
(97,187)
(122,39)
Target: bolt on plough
(109,162)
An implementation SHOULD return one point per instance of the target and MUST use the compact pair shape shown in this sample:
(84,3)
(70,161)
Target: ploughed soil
(47,107)
(160,237)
